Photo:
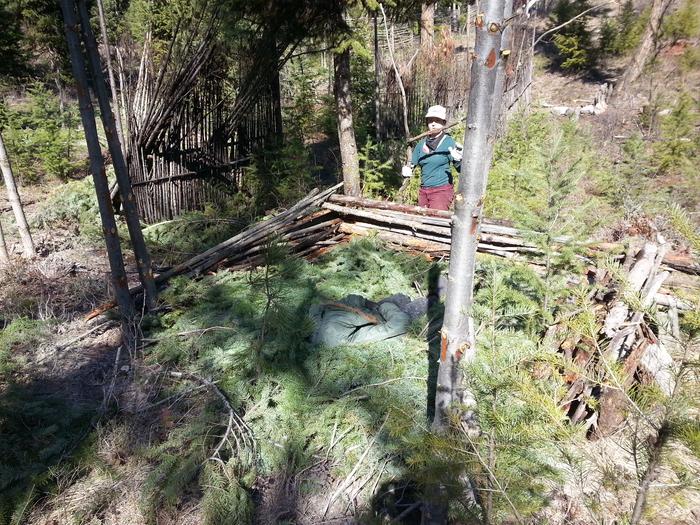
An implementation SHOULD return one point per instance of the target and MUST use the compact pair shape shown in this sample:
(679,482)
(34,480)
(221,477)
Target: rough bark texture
(97,168)
(427,24)
(13,197)
(643,53)
(143,258)
(457,335)
(346,131)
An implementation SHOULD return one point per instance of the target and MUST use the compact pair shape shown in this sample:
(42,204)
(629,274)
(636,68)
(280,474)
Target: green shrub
(377,177)
(280,175)
(72,206)
(21,334)
(622,33)
(682,24)
(690,59)
(40,137)
(573,43)
(678,147)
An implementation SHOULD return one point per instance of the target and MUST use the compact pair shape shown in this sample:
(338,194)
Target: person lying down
(354,319)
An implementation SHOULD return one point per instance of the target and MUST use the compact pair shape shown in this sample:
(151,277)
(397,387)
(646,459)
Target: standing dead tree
(13,197)
(97,168)
(111,128)
(457,334)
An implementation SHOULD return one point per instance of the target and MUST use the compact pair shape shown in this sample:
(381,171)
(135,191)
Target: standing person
(435,154)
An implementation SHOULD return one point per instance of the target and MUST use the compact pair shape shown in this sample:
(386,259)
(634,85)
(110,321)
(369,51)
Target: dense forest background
(210,404)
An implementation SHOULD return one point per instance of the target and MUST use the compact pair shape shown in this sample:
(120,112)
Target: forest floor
(338,432)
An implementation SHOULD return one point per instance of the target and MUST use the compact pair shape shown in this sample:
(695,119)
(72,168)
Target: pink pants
(436,197)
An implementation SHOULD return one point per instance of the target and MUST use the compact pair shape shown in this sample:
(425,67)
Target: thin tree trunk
(427,24)
(143,258)
(122,107)
(454,17)
(399,81)
(4,256)
(13,197)
(346,131)
(457,334)
(643,53)
(649,473)
(377,93)
(97,168)
(110,72)
(277,105)
(499,110)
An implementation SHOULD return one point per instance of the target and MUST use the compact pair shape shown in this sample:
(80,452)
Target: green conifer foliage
(573,42)
(679,141)
(377,176)
(540,180)
(621,34)
(683,23)
(40,136)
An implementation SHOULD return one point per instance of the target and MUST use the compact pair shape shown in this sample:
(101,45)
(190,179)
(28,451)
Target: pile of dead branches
(635,343)
(305,227)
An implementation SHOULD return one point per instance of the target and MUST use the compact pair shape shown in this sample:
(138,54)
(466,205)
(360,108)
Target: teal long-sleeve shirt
(435,164)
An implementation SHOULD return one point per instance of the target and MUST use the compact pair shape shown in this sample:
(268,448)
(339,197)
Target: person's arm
(455,153)
(416,153)
(407,169)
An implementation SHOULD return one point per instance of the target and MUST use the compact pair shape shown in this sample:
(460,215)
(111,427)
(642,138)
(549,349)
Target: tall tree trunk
(110,72)
(346,131)
(427,24)
(97,168)
(143,258)
(648,45)
(4,256)
(13,197)
(377,93)
(457,334)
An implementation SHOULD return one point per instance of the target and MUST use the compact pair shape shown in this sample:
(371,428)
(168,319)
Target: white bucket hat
(437,112)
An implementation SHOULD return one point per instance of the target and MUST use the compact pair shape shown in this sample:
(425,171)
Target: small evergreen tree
(621,34)
(679,139)
(573,42)
(377,176)
(684,23)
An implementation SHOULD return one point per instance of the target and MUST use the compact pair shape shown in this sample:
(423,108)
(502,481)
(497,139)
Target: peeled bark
(346,130)
(649,39)
(13,197)
(143,258)
(97,168)
(457,334)
(427,24)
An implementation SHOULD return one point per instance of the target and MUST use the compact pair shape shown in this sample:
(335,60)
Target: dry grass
(49,288)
